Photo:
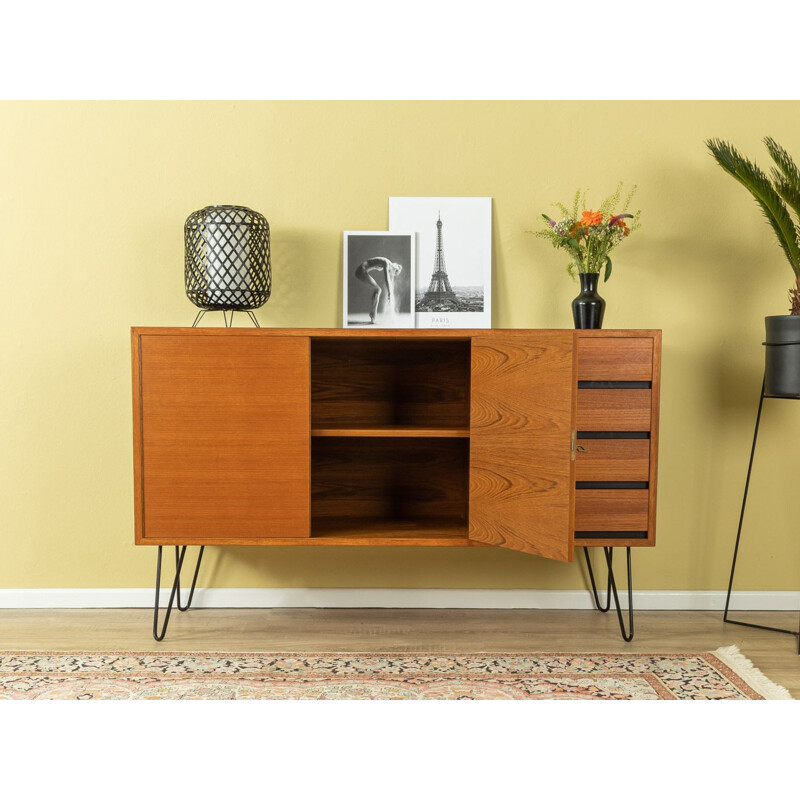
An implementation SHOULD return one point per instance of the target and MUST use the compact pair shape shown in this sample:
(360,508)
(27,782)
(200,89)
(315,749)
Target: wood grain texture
(598,361)
(615,358)
(224,441)
(393,431)
(520,467)
(616,541)
(654,439)
(417,532)
(392,630)
(355,334)
(360,532)
(612,460)
(370,382)
(398,334)
(138,476)
(417,385)
(611,509)
(614,409)
(389,479)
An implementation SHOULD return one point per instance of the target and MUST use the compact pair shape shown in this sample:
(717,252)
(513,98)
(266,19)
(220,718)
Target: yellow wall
(93,196)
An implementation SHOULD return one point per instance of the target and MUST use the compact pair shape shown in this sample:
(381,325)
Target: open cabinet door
(222,437)
(520,441)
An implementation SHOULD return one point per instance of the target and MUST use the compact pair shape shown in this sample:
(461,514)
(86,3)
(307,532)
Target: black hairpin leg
(594,588)
(612,590)
(194,580)
(180,553)
(739,535)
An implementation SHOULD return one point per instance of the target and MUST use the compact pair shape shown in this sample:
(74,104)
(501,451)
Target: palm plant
(775,195)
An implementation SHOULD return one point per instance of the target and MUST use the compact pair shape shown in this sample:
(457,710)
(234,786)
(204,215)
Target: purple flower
(613,221)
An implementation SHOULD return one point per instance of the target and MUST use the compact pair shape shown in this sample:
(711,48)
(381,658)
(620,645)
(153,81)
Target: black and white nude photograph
(379,279)
(454,258)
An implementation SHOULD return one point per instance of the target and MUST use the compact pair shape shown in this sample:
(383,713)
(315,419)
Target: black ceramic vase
(782,363)
(588,307)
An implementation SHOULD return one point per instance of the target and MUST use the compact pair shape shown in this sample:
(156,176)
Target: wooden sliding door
(222,439)
(520,442)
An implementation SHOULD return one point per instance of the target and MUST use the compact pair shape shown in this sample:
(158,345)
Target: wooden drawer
(611,509)
(612,460)
(615,358)
(614,409)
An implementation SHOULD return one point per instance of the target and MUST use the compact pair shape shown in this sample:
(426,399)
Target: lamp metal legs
(227,323)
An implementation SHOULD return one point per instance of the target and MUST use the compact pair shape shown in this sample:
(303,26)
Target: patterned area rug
(724,674)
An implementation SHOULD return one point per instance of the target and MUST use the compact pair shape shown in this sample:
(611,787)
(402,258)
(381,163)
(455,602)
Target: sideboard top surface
(384,333)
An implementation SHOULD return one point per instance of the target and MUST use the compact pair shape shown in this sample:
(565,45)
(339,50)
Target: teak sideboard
(534,440)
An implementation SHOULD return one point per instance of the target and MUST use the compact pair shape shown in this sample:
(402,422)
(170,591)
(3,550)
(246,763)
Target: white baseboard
(396,598)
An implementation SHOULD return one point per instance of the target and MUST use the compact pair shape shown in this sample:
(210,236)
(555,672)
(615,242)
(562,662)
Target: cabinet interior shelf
(374,431)
(422,531)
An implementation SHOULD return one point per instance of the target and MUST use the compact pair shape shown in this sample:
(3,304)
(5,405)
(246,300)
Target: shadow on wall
(356,567)
(497,263)
(717,269)
(715,272)
(301,289)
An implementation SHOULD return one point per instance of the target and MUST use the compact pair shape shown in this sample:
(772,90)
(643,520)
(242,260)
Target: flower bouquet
(589,238)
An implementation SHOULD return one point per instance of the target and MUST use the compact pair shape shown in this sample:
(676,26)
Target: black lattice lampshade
(227,258)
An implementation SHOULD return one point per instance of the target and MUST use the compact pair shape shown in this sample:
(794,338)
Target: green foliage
(587,235)
(786,178)
(772,196)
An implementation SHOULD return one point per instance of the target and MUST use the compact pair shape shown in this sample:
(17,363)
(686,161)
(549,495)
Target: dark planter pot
(782,365)
(588,307)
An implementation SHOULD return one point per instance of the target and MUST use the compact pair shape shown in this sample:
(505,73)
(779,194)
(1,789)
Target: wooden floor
(403,630)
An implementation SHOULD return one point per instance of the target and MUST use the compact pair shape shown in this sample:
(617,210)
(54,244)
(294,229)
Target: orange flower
(591,218)
(620,224)
(616,221)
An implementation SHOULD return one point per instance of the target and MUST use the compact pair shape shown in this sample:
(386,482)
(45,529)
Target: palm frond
(784,161)
(786,177)
(768,199)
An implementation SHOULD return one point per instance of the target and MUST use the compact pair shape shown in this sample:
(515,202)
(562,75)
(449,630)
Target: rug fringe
(745,668)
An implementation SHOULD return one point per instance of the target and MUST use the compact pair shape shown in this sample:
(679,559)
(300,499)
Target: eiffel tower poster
(453,258)
(439,291)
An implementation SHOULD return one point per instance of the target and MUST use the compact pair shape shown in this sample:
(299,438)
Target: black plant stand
(612,590)
(741,520)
